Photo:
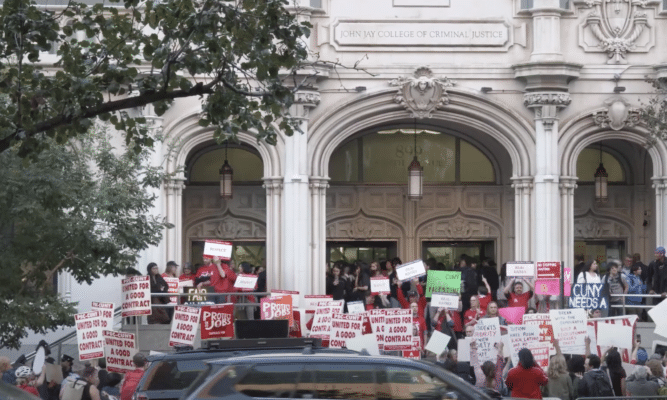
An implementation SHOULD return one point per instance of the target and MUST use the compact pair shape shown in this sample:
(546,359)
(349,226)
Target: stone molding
(227,228)
(422,93)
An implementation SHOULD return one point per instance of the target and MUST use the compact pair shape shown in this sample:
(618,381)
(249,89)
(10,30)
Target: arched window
(384,157)
(205,166)
(588,163)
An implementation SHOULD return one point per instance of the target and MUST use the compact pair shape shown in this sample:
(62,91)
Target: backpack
(74,389)
(600,385)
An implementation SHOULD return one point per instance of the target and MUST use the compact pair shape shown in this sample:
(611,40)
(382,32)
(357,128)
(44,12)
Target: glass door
(350,252)
(449,253)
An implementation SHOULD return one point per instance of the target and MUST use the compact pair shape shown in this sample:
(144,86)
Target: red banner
(217,321)
(548,270)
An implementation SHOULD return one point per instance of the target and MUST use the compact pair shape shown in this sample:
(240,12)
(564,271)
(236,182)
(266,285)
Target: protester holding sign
(188,273)
(560,384)
(336,285)
(526,379)
(474,313)
(449,323)
(492,312)
(516,297)
(489,374)
(205,272)
(223,279)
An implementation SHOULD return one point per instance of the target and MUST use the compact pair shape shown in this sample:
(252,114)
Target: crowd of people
(87,383)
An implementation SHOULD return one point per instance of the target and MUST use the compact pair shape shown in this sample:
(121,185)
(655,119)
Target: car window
(173,375)
(337,381)
(270,380)
(405,383)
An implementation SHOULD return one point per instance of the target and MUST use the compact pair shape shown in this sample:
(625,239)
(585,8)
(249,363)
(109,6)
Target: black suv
(309,375)
(169,375)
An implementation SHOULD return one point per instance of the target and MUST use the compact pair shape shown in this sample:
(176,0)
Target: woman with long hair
(525,379)
(489,374)
(159,315)
(336,284)
(616,372)
(590,273)
(560,383)
(362,282)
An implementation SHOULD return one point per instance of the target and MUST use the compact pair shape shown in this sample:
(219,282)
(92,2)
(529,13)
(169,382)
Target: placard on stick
(343,328)
(136,292)
(90,341)
(184,326)
(219,248)
(217,321)
(521,269)
(411,270)
(105,311)
(398,329)
(119,348)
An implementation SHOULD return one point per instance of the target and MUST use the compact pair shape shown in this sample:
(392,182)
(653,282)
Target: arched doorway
(487,126)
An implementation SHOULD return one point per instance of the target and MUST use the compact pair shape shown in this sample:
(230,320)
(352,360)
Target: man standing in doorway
(659,274)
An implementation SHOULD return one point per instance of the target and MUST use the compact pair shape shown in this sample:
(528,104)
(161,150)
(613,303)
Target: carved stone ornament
(590,227)
(362,228)
(422,94)
(616,27)
(307,97)
(458,228)
(617,116)
(539,99)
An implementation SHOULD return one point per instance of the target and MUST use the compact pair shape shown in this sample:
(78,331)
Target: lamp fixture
(415,173)
(226,176)
(619,89)
(601,181)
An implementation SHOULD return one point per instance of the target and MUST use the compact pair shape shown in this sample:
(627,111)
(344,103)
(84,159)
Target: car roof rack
(221,344)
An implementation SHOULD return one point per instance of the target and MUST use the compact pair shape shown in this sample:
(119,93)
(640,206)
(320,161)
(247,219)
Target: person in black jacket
(658,282)
(337,285)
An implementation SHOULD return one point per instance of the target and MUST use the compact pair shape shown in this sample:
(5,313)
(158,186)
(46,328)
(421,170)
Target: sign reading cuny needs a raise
(589,296)
(89,335)
(218,248)
(119,348)
(136,296)
(184,326)
(443,282)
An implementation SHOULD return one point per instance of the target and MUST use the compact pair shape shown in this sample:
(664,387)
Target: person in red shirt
(516,297)
(474,313)
(23,378)
(525,380)
(484,294)
(187,274)
(450,317)
(205,272)
(223,279)
(132,378)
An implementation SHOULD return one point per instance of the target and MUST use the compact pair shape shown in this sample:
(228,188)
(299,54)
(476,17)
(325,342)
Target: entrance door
(600,250)
(449,253)
(252,252)
(350,252)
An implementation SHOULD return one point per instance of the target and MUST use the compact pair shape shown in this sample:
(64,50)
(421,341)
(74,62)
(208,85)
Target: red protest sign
(295,329)
(277,308)
(217,321)
(548,270)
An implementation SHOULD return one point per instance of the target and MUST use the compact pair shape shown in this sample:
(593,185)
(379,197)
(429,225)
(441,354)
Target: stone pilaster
(523,188)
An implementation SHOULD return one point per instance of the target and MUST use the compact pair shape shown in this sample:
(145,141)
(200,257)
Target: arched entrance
(491,212)
(632,219)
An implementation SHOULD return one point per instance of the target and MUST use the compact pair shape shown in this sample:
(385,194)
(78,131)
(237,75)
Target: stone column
(567,186)
(660,186)
(296,268)
(318,204)
(547,200)
(274,187)
(546,31)
(523,187)
(173,238)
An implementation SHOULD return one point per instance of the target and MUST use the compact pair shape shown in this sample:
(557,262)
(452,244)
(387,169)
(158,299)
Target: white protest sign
(540,354)
(507,346)
(445,300)
(521,268)
(380,285)
(245,281)
(311,300)
(398,329)
(376,318)
(522,336)
(321,327)
(90,341)
(464,349)
(657,314)
(218,248)
(570,328)
(296,298)
(590,331)
(184,326)
(136,292)
(105,311)
(344,327)
(616,335)
(438,342)
(413,269)
(172,287)
(184,284)
(119,348)
(543,322)
(487,335)
(364,342)
(356,307)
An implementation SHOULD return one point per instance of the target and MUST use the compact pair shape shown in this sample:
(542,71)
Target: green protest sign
(443,282)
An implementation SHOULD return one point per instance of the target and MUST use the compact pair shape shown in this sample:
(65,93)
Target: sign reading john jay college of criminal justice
(421,33)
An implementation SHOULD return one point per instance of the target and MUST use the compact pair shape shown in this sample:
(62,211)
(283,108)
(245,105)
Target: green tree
(243,58)
(83,208)
(653,114)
